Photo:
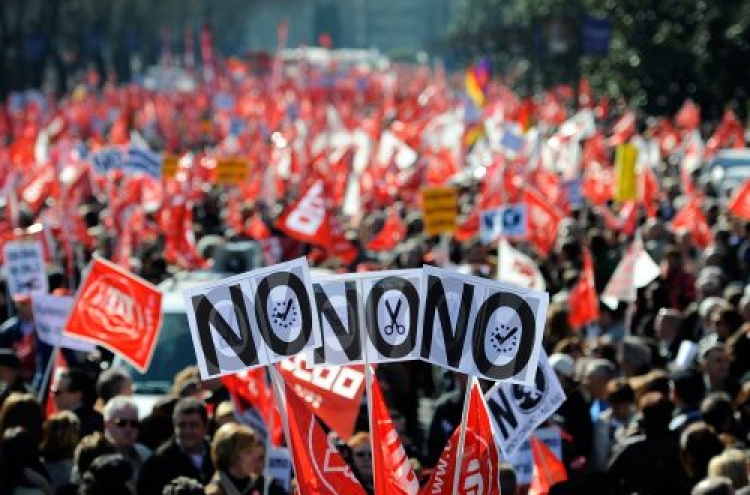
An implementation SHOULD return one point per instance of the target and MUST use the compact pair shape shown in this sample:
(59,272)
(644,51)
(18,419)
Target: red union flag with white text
(320,469)
(480,456)
(307,219)
(119,311)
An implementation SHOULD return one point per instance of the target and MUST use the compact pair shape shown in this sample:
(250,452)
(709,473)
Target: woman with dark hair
(21,468)
(59,445)
(110,474)
(23,410)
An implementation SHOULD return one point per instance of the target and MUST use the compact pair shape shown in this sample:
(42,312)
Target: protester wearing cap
(11,379)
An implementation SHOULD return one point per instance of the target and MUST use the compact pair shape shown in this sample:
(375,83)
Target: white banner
(481,327)
(517,410)
(50,315)
(253,319)
(25,268)
(523,459)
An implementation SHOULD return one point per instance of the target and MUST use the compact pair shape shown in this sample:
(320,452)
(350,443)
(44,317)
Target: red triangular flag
(319,467)
(583,301)
(692,218)
(689,116)
(391,467)
(623,129)
(118,310)
(739,206)
(253,401)
(392,233)
(480,456)
(548,469)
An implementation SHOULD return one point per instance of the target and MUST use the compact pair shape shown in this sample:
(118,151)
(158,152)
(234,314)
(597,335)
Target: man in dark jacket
(187,453)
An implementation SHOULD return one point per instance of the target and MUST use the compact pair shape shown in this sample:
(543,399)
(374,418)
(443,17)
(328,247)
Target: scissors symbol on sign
(395,326)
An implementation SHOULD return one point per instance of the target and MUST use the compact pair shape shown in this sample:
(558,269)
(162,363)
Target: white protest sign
(50,315)
(481,327)
(376,311)
(280,467)
(24,268)
(523,459)
(253,319)
(517,410)
(513,220)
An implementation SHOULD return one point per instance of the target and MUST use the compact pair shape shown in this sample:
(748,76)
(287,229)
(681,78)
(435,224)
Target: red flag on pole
(692,218)
(548,469)
(480,457)
(251,394)
(392,233)
(320,469)
(583,300)
(391,466)
(739,206)
(117,310)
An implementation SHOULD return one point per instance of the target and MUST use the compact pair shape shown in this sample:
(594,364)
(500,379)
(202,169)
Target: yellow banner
(439,205)
(626,184)
(231,171)
(170,165)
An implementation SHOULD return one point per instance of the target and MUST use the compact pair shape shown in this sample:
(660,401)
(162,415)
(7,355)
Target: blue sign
(597,34)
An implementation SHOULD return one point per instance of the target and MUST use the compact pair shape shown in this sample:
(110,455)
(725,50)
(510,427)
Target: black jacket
(168,463)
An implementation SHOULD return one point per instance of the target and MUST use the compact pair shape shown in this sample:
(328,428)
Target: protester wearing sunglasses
(121,428)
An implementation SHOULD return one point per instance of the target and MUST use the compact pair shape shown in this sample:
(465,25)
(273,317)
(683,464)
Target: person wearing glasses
(121,428)
(359,444)
(73,390)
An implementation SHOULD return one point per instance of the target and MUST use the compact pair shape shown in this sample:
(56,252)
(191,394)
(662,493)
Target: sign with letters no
(481,327)
(253,319)
(517,410)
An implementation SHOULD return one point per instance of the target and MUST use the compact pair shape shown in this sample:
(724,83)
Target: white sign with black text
(253,319)
(25,268)
(481,327)
(280,467)
(517,410)
(376,311)
(513,220)
(50,315)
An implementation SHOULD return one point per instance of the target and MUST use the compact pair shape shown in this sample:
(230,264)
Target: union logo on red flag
(119,311)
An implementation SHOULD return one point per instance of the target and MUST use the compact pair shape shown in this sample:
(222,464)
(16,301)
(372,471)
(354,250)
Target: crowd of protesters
(637,418)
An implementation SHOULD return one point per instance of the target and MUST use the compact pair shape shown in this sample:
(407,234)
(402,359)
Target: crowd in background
(634,421)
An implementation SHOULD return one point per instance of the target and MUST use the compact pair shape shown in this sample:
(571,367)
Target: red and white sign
(319,467)
(333,392)
(117,310)
(516,268)
(307,220)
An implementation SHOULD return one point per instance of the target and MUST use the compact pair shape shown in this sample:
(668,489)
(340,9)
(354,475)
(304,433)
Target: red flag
(307,219)
(739,206)
(623,129)
(585,99)
(544,220)
(692,218)
(319,467)
(689,116)
(598,183)
(651,192)
(118,310)
(548,469)
(480,457)
(254,402)
(392,233)
(583,301)
(333,392)
(391,467)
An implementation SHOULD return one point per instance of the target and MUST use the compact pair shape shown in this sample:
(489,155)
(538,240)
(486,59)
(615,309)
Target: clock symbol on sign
(504,339)
(285,314)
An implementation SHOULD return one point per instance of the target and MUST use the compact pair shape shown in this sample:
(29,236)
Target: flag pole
(368,394)
(269,446)
(44,384)
(462,434)
(276,382)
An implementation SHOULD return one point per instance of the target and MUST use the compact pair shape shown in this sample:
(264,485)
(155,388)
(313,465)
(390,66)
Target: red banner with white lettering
(319,467)
(307,219)
(480,456)
(333,392)
(119,311)
(391,467)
